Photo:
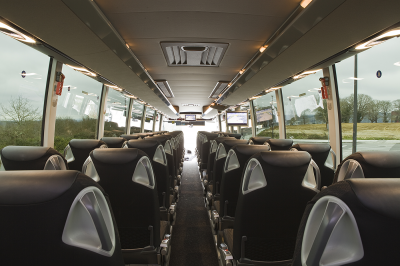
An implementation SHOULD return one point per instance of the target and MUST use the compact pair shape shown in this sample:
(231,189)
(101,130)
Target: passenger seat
(258,140)
(78,150)
(56,218)
(114,142)
(128,179)
(279,144)
(354,222)
(274,192)
(31,158)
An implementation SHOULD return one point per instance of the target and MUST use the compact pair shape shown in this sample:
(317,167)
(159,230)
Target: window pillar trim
(102,112)
(143,119)
(281,114)
(129,117)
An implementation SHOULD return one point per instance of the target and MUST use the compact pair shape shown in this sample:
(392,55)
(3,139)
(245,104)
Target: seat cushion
(217,205)
(163,229)
(228,238)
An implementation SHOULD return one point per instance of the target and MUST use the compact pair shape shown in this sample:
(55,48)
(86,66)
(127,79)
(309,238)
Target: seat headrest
(259,140)
(23,153)
(313,148)
(222,139)
(381,195)
(384,159)
(283,144)
(128,137)
(113,140)
(286,158)
(249,150)
(143,143)
(31,187)
(230,143)
(85,143)
(235,135)
(115,155)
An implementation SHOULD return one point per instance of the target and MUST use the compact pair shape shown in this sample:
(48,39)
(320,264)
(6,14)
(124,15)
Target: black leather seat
(220,157)
(230,182)
(354,222)
(78,150)
(279,144)
(129,137)
(205,149)
(273,194)
(127,177)
(56,218)
(369,164)
(155,152)
(258,140)
(320,153)
(31,158)
(114,142)
(235,135)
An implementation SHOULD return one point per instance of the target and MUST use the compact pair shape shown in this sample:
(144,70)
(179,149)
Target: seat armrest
(227,222)
(164,214)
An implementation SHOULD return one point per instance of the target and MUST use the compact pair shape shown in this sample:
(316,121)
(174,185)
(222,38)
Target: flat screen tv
(239,118)
(190,117)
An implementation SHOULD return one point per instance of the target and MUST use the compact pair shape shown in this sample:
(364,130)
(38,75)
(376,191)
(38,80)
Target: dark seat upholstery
(205,150)
(220,157)
(31,158)
(232,175)
(78,150)
(258,140)
(280,144)
(127,177)
(48,216)
(369,164)
(211,157)
(235,135)
(129,137)
(272,199)
(114,142)
(155,152)
(320,153)
(360,224)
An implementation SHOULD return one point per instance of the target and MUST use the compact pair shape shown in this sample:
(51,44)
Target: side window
(306,114)
(266,115)
(115,119)
(149,120)
(137,114)
(77,108)
(223,122)
(23,75)
(378,98)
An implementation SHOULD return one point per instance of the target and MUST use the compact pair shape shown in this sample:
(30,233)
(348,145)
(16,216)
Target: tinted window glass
(115,119)
(267,123)
(137,114)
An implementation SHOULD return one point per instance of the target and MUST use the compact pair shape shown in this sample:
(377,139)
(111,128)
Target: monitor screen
(237,118)
(190,117)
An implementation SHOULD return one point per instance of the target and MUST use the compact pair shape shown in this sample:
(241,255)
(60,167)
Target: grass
(365,131)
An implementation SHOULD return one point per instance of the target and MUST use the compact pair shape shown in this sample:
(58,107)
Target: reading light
(305,3)
(306,73)
(241,71)
(127,45)
(115,87)
(255,97)
(83,71)
(208,110)
(378,40)
(262,48)
(272,89)
(7,30)
(397,63)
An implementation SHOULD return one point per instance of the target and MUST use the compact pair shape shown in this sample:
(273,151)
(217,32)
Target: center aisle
(192,243)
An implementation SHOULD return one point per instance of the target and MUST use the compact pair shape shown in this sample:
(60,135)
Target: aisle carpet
(192,242)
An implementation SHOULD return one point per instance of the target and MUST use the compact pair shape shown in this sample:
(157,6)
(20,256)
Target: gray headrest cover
(24,153)
(286,158)
(84,143)
(115,156)
(385,159)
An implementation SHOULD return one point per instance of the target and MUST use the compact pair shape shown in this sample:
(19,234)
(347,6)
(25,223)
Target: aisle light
(305,3)
(208,110)
(378,40)
(397,63)
(83,70)
(115,87)
(306,73)
(7,30)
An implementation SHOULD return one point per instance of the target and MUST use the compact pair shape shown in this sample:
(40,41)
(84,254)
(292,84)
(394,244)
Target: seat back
(114,142)
(220,157)
(279,144)
(126,175)
(78,150)
(155,152)
(232,175)
(323,156)
(273,194)
(31,158)
(235,135)
(205,150)
(211,157)
(61,217)
(258,140)
(369,164)
(354,222)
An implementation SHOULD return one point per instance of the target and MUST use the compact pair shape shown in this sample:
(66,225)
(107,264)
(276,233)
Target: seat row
(118,211)
(275,203)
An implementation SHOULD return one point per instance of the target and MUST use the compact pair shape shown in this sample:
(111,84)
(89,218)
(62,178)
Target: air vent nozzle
(193,54)
(165,88)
